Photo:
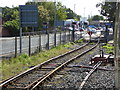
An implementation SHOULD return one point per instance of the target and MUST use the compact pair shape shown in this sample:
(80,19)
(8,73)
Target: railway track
(30,79)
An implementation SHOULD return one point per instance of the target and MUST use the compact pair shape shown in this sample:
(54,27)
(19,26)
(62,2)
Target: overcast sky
(81,7)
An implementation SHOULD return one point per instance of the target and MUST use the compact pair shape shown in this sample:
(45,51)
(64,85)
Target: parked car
(81,29)
(110,30)
(69,28)
(77,32)
(93,30)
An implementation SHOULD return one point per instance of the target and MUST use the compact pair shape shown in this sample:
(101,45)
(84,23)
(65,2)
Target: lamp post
(84,19)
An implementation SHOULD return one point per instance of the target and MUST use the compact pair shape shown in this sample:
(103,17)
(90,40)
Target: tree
(77,17)
(108,9)
(43,15)
(72,15)
(61,12)
(9,14)
(97,18)
(48,8)
(0,12)
(11,20)
(12,26)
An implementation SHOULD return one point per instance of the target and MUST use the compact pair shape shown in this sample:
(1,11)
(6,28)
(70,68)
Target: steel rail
(89,74)
(62,66)
(4,84)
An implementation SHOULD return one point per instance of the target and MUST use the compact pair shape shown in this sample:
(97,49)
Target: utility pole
(74,12)
(74,7)
(84,19)
(91,14)
(84,14)
(117,47)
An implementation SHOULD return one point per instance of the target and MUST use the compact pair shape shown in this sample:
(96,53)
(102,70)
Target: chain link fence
(35,42)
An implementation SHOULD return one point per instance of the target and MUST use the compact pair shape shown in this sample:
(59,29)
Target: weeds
(79,41)
(23,62)
(108,48)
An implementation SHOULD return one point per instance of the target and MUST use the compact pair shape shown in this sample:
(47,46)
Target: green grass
(108,48)
(23,62)
(92,43)
(79,41)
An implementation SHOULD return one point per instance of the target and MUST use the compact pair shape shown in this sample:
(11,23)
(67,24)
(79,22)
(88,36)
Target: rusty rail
(90,73)
(90,67)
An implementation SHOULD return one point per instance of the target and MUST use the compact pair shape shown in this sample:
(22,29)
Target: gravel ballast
(70,78)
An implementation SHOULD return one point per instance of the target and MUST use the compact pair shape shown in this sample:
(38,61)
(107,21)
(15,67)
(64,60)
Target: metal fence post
(20,40)
(55,39)
(15,46)
(29,45)
(48,41)
(106,33)
(40,42)
(69,36)
(76,36)
(65,37)
(73,36)
(60,37)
